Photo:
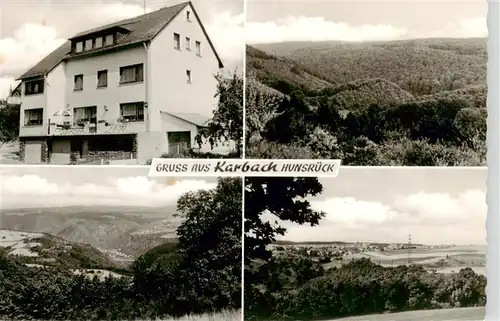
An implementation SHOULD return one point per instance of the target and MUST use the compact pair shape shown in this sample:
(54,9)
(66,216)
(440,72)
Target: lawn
(459,314)
(222,316)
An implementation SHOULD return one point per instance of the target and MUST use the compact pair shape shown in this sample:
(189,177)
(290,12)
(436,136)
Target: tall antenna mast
(409,248)
(144,5)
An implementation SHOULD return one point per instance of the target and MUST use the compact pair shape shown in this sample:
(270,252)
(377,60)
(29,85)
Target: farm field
(458,314)
(442,260)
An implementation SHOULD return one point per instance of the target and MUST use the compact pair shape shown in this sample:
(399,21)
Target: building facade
(124,92)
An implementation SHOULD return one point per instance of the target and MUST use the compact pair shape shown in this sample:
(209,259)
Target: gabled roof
(48,63)
(193,118)
(139,29)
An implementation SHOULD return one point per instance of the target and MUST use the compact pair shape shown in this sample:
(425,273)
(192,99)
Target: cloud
(318,29)
(228,33)
(33,191)
(431,217)
(35,40)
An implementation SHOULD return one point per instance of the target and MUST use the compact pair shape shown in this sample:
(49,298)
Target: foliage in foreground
(433,132)
(9,122)
(302,289)
(199,274)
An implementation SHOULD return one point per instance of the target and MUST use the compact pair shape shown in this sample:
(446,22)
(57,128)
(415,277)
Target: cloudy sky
(24,187)
(29,29)
(435,206)
(363,20)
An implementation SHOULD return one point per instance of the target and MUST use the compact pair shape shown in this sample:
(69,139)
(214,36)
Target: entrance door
(33,152)
(178,142)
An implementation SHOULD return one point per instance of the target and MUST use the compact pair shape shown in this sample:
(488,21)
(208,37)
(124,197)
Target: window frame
(139,117)
(187,43)
(137,80)
(91,110)
(27,111)
(189,76)
(41,87)
(197,45)
(74,82)
(177,41)
(188,16)
(100,72)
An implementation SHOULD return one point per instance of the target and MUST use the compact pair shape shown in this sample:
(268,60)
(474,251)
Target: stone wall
(21,149)
(96,157)
(134,146)
(45,152)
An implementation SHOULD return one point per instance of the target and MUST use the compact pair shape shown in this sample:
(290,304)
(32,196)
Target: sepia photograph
(346,249)
(120,82)
(109,243)
(374,83)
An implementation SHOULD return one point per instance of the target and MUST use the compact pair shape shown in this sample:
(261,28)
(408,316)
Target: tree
(284,197)
(227,121)
(9,121)
(210,239)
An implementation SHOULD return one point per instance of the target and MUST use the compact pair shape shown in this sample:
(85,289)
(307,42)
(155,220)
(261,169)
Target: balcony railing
(88,128)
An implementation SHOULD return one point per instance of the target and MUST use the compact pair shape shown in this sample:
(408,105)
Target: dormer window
(108,40)
(188,15)
(98,42)
(79,46)
(89,44)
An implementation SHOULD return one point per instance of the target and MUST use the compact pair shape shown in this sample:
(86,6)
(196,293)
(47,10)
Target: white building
(134,89)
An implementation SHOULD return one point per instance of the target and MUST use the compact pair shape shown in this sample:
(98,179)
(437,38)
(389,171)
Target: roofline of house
(221,65)
(183,119)
(84,34)
(67,57)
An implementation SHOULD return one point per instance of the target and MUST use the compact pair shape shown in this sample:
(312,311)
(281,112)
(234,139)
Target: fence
(103,158)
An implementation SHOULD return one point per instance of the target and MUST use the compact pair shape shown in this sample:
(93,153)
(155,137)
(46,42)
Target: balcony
(93,128)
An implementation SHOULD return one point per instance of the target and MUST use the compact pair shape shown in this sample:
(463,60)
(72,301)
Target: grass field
(462,314)
(223,316)
(443,260)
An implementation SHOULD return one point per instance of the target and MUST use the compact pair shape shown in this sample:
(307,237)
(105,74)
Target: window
(33,117)
(102,78)
(130,74)
(132,112)
(108,41)
(188,16)
(79,46)
(84,115)
(188,43)
(98,42)
(89,44)
(177,41)
(198,48)
(78,83)
(188,76)
(33,87)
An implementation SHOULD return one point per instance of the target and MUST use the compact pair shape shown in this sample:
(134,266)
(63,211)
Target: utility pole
(144,6)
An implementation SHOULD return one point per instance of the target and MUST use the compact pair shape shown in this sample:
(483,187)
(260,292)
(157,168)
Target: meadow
(459,314)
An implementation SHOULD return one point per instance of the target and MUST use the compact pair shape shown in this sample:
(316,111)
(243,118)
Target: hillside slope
(277,72)
(423,66)
(48,250)
(123,233)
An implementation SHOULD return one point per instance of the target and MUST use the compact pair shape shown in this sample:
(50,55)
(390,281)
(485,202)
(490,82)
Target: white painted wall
(56,87)
(112,95)
(32,102)
(168,89)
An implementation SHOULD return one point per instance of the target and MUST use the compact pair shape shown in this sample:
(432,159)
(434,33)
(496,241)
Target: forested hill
(374,73)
